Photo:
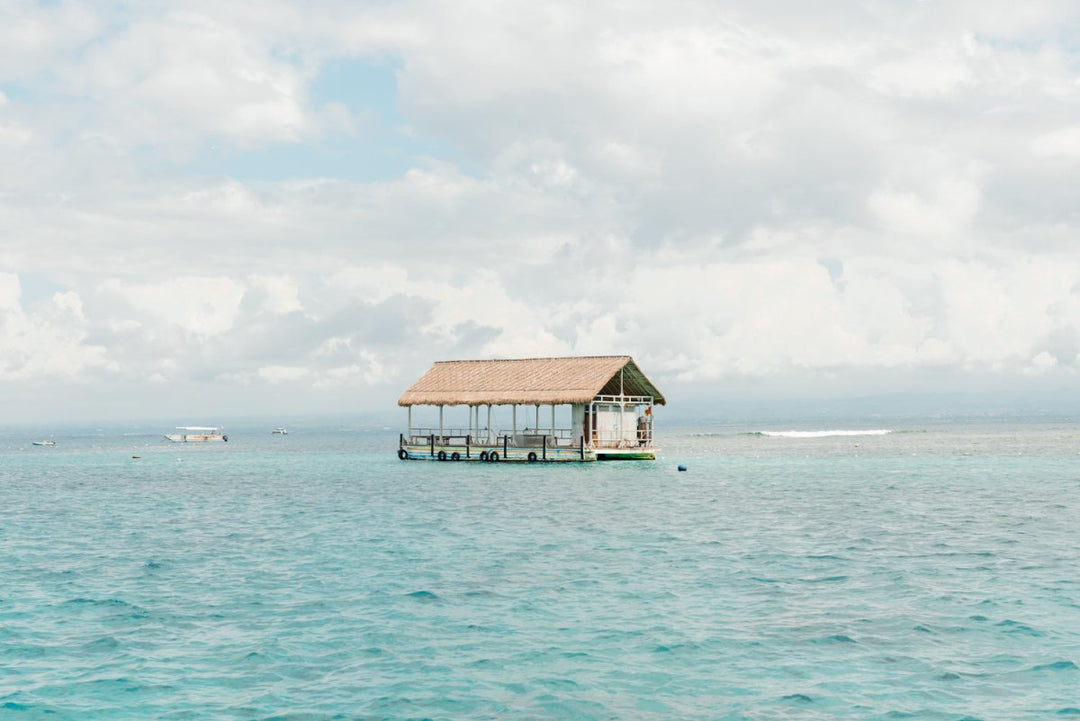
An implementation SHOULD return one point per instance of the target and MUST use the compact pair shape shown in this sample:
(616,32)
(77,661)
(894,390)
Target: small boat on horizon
(279,432)
(44,443)
(197,434)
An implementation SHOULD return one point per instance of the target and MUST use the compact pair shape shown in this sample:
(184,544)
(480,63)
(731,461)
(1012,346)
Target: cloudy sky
(214,209)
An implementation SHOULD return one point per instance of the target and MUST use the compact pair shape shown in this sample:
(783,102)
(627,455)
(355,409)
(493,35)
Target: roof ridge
(538,358)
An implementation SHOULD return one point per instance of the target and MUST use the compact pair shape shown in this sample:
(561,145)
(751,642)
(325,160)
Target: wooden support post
(432,437)
(583,448)
(622,409)
(505,438)
(543,450)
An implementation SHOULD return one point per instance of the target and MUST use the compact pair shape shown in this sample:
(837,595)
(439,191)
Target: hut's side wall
(612,428)
(577,421)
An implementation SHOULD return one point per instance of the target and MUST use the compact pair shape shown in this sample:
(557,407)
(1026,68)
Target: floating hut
(610,404)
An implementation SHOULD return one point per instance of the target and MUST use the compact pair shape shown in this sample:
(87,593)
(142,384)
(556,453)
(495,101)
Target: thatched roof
(528,381)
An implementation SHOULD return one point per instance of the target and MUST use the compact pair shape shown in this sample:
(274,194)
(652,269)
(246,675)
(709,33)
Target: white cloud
(725,190)
(373,283)
(1042,363)
(943,210)
(10,291)
(49,344)
(280,374)
(186,75)
(282,293)
(1063,142)
(930,72)
(204,306)
(34,35)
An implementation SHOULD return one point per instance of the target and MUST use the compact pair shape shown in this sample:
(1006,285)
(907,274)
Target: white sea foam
(824,434)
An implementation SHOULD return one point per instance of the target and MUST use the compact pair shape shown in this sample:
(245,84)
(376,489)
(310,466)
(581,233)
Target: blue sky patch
(383,146)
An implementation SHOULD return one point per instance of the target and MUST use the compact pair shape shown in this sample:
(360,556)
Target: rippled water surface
(932,572)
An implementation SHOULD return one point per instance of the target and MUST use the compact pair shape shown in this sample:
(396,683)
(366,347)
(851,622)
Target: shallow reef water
(927,572)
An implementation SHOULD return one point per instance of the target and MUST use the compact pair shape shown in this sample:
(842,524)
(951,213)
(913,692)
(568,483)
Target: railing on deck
(447,437)
(623,400)
(613,439)
(525,438)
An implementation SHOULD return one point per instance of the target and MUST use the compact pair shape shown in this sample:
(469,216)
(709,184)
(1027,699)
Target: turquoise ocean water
(932,572)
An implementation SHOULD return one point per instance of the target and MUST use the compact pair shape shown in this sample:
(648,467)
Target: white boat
(197,434)
(44,443)
(280,432)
